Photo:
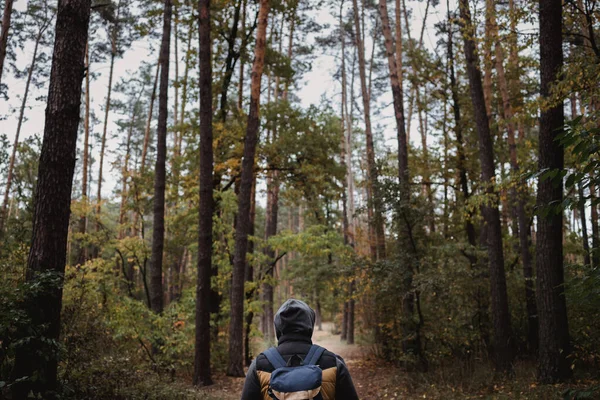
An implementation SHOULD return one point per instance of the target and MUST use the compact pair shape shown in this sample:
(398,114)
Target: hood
(294,317)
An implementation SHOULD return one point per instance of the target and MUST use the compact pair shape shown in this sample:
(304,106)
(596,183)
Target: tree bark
(236,326)
(552,308)
(47,256)
(6,16)
(202,372)
(504,353)
(158,229)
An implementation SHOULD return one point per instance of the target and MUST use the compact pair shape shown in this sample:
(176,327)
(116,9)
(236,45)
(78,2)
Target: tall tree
(504,353)
(202,373)
(85,156)
(517,192)
(398,98)
(411,336)
(6,17)
(376,217)
(552,307)
(236,325)
(47,256)
(158,232)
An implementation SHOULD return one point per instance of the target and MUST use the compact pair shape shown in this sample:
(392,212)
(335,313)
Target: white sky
(317,83)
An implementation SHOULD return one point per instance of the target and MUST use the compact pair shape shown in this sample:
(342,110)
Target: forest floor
(376,380)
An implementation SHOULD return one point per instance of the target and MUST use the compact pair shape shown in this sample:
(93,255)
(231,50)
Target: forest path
(371,379)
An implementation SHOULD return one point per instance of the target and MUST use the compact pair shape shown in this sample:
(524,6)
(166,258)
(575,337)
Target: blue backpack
(296,383)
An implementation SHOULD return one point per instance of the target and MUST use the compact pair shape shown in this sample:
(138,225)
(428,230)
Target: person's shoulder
(328,359)
(262,363)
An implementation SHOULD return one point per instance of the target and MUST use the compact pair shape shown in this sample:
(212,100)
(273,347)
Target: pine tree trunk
(584,230)
(158,228)
(517,197)
(460,151)
(47,256)
(376,221)
(149,120)
(249,276)
(504,353)
(6,16)
(230,61)
(103,140)
(351,314)
(554,347)
(13,155)
(202,372)
(411,345)
(398,101)
(236,326)
(487,56)
(242,62)
(86,150)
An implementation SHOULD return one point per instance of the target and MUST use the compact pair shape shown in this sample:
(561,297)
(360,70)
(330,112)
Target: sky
(317,84)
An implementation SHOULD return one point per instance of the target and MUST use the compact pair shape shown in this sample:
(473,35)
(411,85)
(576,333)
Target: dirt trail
(372,381)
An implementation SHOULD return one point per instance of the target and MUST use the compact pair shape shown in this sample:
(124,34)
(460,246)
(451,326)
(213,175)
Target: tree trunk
(398,101)
(350,329)
(236,326)
(517,197)
(230,60)
(6,15)
(158,228)
(249,272)
(487,56)
(13,155)
(504,353)
(149,120)
(47,256)
(460,151)
(103,140)
(554,346)
(584,230)
(411,345)
(242,63)
(376,221)
(272,211)
(83,250)
(202,373)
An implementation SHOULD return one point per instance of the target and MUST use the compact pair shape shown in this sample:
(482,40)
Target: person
(294,325)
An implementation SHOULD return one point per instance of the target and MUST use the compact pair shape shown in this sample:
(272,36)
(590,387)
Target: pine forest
(424,174)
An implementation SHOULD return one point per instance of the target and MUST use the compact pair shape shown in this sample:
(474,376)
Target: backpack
(296,383)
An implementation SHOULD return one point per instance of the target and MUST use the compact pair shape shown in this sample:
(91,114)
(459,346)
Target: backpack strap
(313,355)
(275,358)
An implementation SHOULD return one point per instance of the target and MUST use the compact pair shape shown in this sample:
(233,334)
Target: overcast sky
(316,84)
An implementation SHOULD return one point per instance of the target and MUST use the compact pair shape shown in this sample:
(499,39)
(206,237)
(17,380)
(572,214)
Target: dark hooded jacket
(294,324)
